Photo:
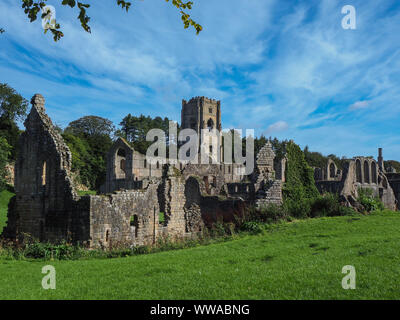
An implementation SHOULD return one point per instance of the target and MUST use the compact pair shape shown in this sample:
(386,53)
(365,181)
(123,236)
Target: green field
(297,260)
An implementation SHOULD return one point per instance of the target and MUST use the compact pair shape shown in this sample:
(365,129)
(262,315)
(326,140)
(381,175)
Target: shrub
(368,201)
(298,208)
(253,227)
(328,205)
(272,213)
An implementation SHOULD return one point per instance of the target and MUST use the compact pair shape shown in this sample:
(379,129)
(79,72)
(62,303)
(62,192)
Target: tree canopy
(12,105)
(90,126)
(134,129)
(5,150)
(32,9)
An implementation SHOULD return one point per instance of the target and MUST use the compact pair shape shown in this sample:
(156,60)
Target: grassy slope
(300,260)
(5,197)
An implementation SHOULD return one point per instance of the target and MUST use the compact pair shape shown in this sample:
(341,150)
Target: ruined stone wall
(126,217)
(45,194)
(172,202)
(358,173)
(267,188)
(394,182)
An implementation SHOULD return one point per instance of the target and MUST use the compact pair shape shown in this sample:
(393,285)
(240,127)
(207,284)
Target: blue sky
(284,68)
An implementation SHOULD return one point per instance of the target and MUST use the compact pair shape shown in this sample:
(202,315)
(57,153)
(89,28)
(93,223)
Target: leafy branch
(32,9)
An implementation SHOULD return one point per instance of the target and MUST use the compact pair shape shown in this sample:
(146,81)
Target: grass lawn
(298,260)
(5,197)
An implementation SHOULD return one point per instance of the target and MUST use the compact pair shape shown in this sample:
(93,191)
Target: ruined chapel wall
(111,216)
(45,194)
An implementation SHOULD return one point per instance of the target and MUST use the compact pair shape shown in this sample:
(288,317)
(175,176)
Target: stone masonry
(136,194)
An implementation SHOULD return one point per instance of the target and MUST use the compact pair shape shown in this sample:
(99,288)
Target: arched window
(44,169)
(332,170)
(120,164)
(366,172)
(210,124)
(158,165)
(373,172)
(358,171)
(107,236)
(145,163)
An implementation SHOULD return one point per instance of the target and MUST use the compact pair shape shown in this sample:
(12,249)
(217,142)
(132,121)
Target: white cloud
(277,127)
(359,105)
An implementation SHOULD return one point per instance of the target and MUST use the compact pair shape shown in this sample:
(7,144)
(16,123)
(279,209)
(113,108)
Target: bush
(298,208)
(37,250)
(253,227)
(368,201)
(328,205)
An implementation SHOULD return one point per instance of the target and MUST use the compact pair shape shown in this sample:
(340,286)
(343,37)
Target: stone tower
(380,160)
(202,113)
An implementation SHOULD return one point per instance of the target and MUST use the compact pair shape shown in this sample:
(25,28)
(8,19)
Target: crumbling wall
(267,189)
(45,194)
(394,181)
(125,217)
(359,173)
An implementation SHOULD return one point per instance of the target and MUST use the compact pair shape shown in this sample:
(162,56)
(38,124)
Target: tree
(134,129)
(12,108)
(90,126)
(12,105)
(89,139)
(5,149)
(32,8)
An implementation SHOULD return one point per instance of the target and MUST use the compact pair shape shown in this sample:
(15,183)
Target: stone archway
(374,172)
(358,171)
(366,172)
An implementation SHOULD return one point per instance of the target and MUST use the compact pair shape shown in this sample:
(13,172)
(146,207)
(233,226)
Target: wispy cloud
(277,127)
(359,105)
(286,68)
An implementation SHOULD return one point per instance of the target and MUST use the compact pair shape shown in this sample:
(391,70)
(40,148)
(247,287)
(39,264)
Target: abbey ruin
(190,196)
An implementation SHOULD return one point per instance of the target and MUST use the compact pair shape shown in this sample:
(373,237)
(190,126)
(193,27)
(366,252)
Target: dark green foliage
(89,141)
(134,129)
(5,150)
(82,159)
(328,205)
(317,159)
(47,251)
(12,105)
(91,126)
(300,184)
(10,131)
(33,8)
(89,158)
(368,201)
(252,227)
(392,163)
(12,108)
